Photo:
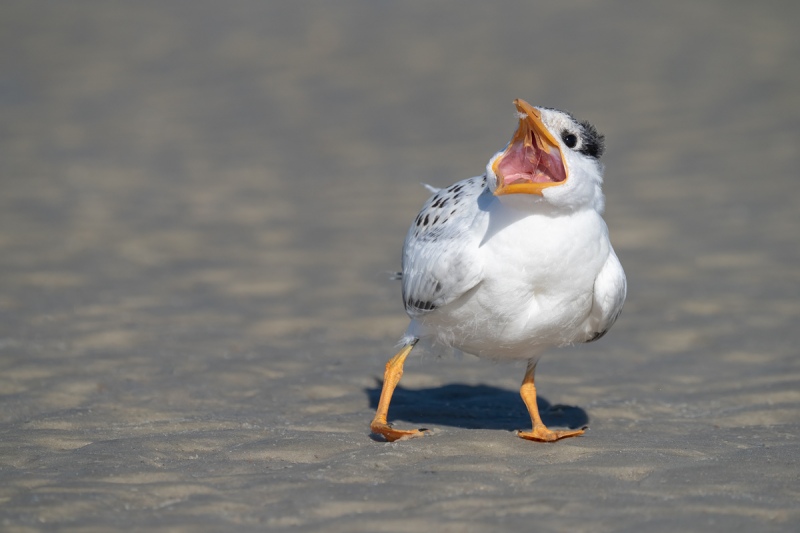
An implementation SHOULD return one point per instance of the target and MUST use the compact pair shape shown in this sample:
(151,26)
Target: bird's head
(552,157)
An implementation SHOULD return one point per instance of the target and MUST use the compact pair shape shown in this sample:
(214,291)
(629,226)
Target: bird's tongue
(524,163)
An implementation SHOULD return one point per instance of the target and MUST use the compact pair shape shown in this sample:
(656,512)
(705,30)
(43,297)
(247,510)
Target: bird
(513,262)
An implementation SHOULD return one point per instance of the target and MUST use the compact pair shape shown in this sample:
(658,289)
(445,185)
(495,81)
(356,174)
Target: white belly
(536,291)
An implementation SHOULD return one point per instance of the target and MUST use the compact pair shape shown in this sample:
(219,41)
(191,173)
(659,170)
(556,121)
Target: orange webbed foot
(391,434)
(542,434)
(391,377)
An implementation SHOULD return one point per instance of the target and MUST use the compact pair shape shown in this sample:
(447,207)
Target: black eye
(569,139)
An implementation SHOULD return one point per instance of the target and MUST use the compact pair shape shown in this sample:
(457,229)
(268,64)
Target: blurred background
(280,148)
(200,204)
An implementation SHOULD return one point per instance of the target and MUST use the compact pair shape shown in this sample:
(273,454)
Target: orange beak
(533,161)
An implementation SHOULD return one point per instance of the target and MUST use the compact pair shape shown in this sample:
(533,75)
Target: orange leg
(539,432)
(391,377)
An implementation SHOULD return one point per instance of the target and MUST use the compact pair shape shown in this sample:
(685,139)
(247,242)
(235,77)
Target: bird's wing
(610,289)
(441,259)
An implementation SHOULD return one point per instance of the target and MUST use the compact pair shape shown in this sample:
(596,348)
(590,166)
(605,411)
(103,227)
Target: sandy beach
(201,205)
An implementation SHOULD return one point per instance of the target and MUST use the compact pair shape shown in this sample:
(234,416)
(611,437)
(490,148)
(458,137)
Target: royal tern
(513,262)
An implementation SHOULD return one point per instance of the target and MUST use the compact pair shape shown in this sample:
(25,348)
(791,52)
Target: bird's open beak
(533,161)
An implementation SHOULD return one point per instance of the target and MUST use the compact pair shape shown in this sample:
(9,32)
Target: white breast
(537,286)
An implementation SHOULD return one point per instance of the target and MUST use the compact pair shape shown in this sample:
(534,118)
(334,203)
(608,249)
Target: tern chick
(513,262)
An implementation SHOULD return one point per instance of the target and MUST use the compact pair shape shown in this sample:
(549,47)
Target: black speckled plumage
(592,141)
(444,217)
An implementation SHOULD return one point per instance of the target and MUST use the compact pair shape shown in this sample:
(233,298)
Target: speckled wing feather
(441,258)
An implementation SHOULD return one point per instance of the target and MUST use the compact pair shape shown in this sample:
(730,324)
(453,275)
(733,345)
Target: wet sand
(201,205)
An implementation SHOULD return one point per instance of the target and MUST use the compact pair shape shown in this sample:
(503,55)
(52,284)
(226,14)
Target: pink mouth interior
(529,164)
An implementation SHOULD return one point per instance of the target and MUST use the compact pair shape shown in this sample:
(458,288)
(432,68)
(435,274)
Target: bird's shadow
(472,407)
